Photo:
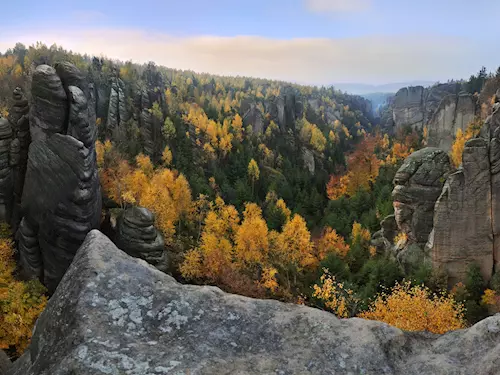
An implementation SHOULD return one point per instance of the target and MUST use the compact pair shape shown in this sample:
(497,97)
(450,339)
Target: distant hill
(361,88)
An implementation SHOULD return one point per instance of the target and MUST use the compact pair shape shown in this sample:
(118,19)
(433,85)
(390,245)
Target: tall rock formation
(113,314)
(286,108)
(418,184)
(253,117)
(117,110)
(467,214)
(151,121)
(442,108)
(408,107)
(454,112)
(19,122)
(6,181)
(61,200)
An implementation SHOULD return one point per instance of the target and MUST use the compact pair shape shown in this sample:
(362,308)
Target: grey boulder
(113,314)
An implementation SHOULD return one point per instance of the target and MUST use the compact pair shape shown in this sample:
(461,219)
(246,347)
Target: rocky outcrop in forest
(450,220)
(442,108)
(115,314)
(19,123)
(117,110)
(61,200)
(418,184)
(454,112)
(136,234)
(467,214)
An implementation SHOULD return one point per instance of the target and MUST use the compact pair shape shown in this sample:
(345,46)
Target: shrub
(415,308)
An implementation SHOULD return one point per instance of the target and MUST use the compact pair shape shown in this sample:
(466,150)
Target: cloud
(336,6)
(371,59)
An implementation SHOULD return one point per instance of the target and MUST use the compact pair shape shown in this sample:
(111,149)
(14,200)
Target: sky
(304,41)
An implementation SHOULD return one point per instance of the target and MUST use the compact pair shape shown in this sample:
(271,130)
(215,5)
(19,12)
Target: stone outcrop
(286,108)
(383,240)
(253,117)
(61,200)
(5,363)
(19,122)
(117,110)
(467,213)
(418,184)
(308,158)
(113,314)
(454,112)
(415,106)
(6,180)
(136,235)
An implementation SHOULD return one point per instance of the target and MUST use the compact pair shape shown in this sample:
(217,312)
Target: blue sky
(309,41)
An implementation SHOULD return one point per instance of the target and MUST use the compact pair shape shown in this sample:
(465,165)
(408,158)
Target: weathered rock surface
(49,104)
(308,158)
(253,117)
(383,240)
(6,180)
(137,236)
(113,314)
(415,106)
(61,200)
(454,112)
(467,213)
(408,107)
(19,122)
(418,184)
(5,363)
(286,108)
(117,110)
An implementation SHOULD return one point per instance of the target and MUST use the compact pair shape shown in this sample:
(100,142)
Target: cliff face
(467,214)
(61,199)
(418,184)
(113,314)
(442,108)
(454,112)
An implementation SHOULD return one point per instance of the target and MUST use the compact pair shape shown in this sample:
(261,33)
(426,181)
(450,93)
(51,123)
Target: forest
(263,188)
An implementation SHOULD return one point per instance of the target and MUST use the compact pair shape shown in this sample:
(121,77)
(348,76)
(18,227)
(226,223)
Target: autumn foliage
(20,302)
(335,296)
(415,308)
(363,168)
(256,259)
(163,191)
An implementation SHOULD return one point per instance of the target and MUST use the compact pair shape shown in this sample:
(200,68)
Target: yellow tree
(213,258)
(252,244)
(293,247)
(237,126)
(253,172)
(415,308)
(331,242)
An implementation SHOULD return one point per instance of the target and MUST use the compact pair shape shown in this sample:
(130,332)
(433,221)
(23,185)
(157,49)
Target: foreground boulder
(113,314)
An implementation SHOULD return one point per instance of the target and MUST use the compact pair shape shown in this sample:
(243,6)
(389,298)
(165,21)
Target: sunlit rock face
(417,186)
(467,213)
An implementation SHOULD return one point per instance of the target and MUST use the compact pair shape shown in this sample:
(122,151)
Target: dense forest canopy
(264,188)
